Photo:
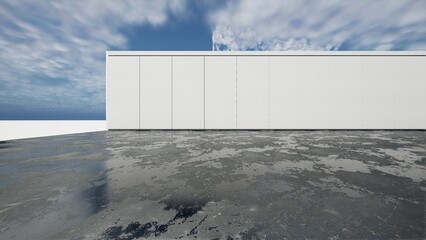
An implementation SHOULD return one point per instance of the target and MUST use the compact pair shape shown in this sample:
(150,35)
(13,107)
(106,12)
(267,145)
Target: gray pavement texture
(215,185)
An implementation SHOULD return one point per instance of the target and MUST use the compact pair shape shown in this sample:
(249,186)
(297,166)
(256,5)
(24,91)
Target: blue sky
(52,53)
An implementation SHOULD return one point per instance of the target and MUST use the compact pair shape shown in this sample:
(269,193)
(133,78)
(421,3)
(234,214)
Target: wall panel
(394,92)
(188,92)
(330,92)
(123,92)
(285,93)
(155,92)
(220,80)
(252,92)
(345,92)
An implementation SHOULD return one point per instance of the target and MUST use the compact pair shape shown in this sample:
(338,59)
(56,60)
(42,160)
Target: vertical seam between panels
(269,92)
(236,92)
(106,90)
(139,67)
(171,90)
(204,85)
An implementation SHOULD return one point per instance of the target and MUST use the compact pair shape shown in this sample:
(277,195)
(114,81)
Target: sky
(52,52)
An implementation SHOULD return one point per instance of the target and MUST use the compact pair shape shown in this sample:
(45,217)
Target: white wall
(155,92)
(221,92)
(266,90)
(347,92)
(188,92)
(123,92)
(253,92)
(285,93)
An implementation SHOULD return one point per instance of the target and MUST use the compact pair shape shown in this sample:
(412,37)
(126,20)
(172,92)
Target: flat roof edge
(266,53)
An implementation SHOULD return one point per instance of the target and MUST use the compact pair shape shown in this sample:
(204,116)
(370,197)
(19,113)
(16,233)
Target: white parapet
(10,130)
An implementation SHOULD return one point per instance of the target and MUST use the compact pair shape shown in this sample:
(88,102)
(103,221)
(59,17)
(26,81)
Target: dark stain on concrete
(184,208)
(134,230)
(421,162)
(96,196)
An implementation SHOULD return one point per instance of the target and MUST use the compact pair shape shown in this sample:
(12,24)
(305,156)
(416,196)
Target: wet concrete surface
(215,185)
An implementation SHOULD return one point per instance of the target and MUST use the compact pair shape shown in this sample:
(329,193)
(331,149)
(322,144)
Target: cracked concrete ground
(215,185)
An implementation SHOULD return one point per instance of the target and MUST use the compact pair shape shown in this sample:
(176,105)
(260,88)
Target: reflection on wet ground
(215,185)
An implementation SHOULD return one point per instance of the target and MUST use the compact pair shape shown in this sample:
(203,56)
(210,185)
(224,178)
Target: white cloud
(52,52)
(64,44)
(320,25)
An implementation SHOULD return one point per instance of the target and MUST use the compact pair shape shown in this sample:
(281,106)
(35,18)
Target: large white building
(266,90)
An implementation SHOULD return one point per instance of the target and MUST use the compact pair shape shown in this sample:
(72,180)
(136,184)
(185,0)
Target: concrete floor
(215,185)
